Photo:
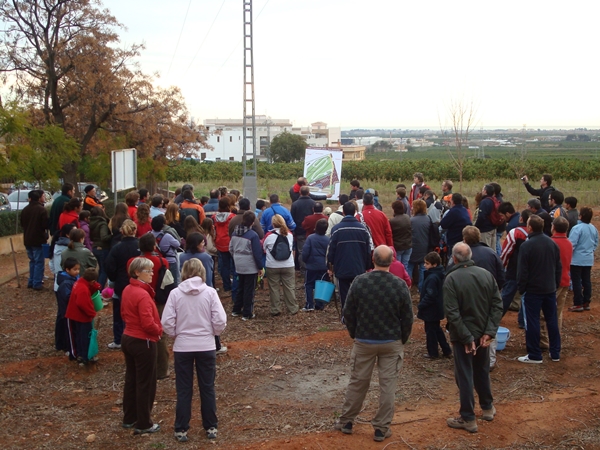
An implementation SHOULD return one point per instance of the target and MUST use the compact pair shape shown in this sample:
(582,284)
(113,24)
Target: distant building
(225,136)
(351,152)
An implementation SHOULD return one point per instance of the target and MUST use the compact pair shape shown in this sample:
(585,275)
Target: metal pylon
(249,134)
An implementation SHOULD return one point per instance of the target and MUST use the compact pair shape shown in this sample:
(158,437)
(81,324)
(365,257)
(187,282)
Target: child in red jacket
(80,314)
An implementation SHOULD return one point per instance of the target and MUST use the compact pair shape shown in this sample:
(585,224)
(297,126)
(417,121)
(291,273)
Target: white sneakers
(525,359)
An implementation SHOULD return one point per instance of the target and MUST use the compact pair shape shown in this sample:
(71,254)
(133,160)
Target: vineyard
(394,170)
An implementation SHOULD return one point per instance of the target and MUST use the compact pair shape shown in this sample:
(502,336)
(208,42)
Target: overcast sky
(377,63)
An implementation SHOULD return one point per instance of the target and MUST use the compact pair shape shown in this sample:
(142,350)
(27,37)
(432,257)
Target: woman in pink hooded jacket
(194,315)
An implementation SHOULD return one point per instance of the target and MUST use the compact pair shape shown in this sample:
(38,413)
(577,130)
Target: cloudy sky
(380,63)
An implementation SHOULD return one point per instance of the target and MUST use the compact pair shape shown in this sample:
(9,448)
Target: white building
(225,136)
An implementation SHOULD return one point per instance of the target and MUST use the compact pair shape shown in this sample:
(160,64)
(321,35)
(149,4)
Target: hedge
(7,223)
(486,169)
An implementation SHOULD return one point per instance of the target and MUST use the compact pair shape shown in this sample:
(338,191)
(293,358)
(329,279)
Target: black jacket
(543,194)
(301,208)
(483,218)
(431,306)
(349,248)
(34,220)
(116,262)
(539,269)
(547,221)
(488,259)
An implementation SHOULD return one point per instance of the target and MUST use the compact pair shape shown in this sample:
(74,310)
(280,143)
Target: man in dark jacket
(349,251)
(237,220)
(473,308)
(34,221)
(58,205)
(483,222)
(212,207)
(482,255)
(301,209)
(379,317)
(512,217)
(543,192)
(454,221)
(539,273)
(535,206)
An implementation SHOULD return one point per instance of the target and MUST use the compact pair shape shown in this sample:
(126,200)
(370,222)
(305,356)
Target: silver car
(4,202)
(19,199)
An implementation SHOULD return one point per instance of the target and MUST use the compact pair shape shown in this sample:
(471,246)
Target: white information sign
(124,169)
(323,170)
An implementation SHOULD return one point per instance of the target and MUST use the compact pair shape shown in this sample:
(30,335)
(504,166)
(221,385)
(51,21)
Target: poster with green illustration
(323,170)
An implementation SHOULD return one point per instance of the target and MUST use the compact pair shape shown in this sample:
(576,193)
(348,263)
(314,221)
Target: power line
(179,38)
(240,41)
(207,33)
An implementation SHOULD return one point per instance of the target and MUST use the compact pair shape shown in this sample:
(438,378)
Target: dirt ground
(281,385)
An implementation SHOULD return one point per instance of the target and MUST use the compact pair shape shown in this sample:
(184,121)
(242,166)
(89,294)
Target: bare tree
(463,117)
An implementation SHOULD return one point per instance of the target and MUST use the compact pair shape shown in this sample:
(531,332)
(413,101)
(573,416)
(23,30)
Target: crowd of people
(155,260)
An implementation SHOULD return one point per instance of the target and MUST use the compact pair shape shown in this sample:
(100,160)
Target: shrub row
(7,223)
(486,169)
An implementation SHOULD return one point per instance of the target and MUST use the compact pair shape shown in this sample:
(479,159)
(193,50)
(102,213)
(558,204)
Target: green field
(588,150)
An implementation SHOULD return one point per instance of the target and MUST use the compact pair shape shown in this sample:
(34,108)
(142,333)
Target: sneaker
(236,314)
(557,359)
(95,359)
(344,428)
(586,307)
(576,308)
(128,425)
(181,436)
(488,414)
(460,423)
(153,429)
(525,359)
(253,316)
(428,356)
(211,433)
(308,309)
(379,435)
(114,346)
(222,350)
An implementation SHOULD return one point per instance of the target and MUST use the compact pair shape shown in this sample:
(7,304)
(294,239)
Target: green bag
(93,349)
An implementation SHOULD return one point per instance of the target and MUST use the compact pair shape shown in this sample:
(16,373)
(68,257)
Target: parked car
(19,199)
(4,202)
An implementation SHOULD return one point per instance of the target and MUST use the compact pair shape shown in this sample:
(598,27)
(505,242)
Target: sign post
(124,170)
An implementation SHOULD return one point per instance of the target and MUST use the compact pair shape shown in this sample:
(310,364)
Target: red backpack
(496,218)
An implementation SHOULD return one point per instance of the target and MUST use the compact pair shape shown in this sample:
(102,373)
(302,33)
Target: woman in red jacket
(80,314)
(71,213)
(226,264)
(142,332)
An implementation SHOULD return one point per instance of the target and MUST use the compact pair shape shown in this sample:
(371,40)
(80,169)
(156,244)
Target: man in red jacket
(80,314)
(381,231)
(559,236)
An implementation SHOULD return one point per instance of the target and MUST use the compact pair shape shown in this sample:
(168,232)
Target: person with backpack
(280,266)
(276,208)
(247,254)
(485,222)
(222,219)
(167,245)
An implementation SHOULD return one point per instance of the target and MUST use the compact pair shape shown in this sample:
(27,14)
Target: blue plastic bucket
(324,290)
(46,250)
(502,336)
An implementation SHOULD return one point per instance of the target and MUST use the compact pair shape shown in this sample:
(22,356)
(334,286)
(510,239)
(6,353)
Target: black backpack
(281,249)
(161,295)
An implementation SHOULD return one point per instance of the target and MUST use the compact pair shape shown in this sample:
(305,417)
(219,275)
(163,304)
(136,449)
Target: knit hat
(88,188)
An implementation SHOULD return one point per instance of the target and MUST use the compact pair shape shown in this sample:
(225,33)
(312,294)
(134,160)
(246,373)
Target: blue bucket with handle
(502,336)
(324,290)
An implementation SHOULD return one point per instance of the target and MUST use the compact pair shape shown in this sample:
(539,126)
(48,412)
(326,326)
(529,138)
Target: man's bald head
(461,252)
(383,257)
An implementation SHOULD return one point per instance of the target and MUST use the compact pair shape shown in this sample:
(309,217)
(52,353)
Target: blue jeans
(403,256)
(411,268)
(509,290)
(100,256)
(309,286)
(534,303)
(36,266)
(227,270)
(498,245)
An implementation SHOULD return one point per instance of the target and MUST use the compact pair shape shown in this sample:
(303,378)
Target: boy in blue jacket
(65,280)
(431,306)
